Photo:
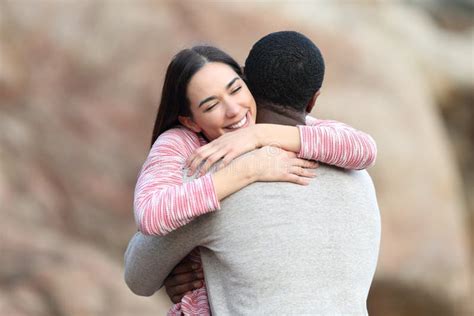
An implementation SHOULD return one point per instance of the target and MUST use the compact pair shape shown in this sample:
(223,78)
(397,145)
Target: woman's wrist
(263,134)
(282,136)
(246,166)
(259,131)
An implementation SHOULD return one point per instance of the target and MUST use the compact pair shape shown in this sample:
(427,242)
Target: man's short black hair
(284,69)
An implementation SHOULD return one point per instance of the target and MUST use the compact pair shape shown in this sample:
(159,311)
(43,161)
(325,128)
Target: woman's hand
(227,146)
(185,277)
(275,164)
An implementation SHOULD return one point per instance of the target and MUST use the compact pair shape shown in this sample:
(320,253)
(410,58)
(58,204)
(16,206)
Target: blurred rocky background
(79,86)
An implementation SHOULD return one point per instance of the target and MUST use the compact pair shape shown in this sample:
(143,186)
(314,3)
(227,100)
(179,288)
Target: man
(278,248)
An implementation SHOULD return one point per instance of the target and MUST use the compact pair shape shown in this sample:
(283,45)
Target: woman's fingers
(212,154)
(198,157)
(297,179)
(298,171)
(196,153)
(211,157)
(301,162)
(311,164)
(302,172)
(211,160)
(229,158)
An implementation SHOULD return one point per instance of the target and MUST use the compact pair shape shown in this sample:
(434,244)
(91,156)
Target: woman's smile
(244,122)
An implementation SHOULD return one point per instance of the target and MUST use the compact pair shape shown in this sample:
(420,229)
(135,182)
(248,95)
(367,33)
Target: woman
(205,99)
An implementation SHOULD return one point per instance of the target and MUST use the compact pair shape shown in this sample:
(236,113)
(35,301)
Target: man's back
(284,248)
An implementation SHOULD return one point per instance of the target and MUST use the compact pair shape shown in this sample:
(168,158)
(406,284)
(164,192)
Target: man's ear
(189,123)
(312,102)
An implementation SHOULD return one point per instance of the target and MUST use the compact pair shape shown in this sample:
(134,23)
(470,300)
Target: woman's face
(220,101)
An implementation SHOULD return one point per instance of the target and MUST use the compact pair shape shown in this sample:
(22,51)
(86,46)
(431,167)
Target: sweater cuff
(308,142)
(211,200)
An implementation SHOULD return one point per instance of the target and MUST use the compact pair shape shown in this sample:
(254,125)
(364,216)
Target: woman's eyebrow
(214,97)
(231,82)
(206,100)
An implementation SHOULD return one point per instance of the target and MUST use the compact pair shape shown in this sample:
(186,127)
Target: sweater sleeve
(162,202)
(336,144)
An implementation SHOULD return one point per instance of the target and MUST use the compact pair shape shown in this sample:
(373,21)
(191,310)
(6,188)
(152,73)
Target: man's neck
(290,118)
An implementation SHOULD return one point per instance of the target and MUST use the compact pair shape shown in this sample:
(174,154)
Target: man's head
(284,71)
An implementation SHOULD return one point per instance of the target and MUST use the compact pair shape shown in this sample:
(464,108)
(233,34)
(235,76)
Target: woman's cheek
(217,118)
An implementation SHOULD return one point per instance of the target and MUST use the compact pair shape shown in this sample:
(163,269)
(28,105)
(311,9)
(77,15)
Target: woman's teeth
(240,123)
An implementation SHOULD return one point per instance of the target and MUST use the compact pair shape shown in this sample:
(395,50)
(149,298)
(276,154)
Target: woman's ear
(189,123)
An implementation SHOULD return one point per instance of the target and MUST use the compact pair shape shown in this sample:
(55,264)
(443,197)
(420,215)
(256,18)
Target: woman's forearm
(163,207)
(337,144)
(330,142)
(233,177)
(162,202)
(282,136)
(266,164)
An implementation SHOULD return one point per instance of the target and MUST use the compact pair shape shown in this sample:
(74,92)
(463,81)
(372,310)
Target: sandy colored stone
(79,85)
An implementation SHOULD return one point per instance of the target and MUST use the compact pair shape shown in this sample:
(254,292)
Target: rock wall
(79,85)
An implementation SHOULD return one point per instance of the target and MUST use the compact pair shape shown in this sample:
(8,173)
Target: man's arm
(150,259)
(186,276)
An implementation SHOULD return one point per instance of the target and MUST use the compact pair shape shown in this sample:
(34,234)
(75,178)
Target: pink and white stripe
(162,201)
(195,302)
(336,144)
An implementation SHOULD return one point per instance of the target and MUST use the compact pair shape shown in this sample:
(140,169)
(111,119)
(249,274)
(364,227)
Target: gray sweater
(276,248)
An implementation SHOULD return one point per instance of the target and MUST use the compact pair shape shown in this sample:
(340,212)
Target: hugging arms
(216,119)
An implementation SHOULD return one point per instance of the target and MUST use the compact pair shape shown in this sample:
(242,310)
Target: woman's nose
(233,108)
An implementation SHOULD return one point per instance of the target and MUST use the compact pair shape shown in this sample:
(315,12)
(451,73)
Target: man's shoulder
(328,180)
(339,177)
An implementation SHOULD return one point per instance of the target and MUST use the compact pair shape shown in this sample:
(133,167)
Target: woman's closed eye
(235,90)
(213,105)
(209,108)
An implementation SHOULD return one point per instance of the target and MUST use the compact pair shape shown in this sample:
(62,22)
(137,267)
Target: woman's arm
(329,142)
(337,144)
(163,203)
(265,164)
